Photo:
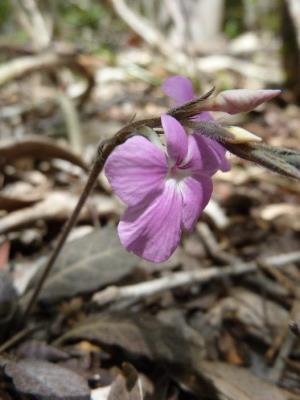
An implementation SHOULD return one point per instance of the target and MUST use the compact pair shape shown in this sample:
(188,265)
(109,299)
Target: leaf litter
(46,380)
(101,261)
(198,340)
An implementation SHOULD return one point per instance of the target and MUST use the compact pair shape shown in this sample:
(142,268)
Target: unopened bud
(242,100)
(241,135)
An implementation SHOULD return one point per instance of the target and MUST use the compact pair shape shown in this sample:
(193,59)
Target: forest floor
(218,320)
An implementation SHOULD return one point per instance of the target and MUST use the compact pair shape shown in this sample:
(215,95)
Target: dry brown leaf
(87,264)
(137,334)
(120,391)
(262,318)
(231,349)
(236,383)
(39,350)
(45,380)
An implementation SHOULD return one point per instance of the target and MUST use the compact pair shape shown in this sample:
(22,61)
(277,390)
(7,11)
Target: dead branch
(171,281)
(212,246)
(142,27)
(48,61)
(22,66)
(33,22)
(40,148)
(72,122)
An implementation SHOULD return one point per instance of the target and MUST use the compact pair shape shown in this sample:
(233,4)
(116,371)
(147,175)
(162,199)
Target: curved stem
(92,179)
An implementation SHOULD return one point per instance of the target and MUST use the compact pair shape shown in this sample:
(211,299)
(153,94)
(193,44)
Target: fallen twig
(40,148)
(33,22)
(217,214)
(178,279)
(283,346)
(46,61)
(212,245)
(71,121)
(22,66)
(142,27)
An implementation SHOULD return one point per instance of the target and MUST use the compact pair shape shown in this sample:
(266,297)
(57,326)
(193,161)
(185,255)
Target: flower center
(177,173)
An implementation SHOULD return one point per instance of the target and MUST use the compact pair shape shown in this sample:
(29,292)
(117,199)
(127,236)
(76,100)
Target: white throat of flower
(175,173)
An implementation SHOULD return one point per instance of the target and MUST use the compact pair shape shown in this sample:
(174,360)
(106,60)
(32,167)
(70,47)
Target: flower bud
(242,100)
(241,135)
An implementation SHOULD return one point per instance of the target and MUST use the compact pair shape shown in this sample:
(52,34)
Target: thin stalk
(92,179)
(17,338)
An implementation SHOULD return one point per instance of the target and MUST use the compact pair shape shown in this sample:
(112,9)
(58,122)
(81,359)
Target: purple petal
(176,138)
(152,229)
(213,158)
(220,154)
(203,116)
(179,88)
(136,168)
(242,100)
(195,194)
(201,159)
(218,150)
(212,153)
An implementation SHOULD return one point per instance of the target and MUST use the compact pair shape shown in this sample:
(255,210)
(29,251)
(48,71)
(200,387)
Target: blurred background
(75,71)
(72,72)
(99,54)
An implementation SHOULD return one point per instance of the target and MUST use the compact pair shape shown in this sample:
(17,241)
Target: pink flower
(165,191)
(180,89)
